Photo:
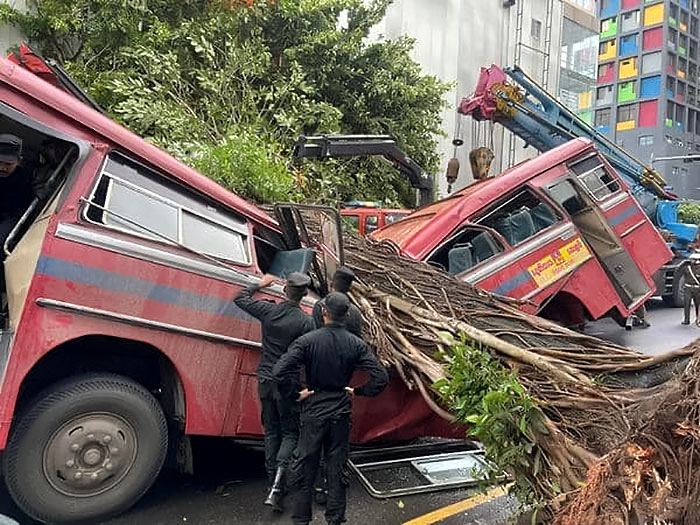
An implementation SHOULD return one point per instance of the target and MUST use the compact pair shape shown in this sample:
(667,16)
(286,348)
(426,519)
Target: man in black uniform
(281,324)
(330,356)
(16,186)
(342,281)
(691,288)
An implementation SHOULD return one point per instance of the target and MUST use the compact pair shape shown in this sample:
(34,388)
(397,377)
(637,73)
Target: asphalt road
(229,482)
(229,486)
(666,332)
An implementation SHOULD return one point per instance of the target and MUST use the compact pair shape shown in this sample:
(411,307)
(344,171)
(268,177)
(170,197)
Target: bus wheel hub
(90,454)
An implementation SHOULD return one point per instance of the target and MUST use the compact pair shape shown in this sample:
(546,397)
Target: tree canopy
(229,85)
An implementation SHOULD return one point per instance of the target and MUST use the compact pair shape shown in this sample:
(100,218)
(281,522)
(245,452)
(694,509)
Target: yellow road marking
(461,506)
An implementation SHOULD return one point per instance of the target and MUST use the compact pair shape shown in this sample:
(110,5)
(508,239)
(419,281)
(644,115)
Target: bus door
(622,213)
(619,265)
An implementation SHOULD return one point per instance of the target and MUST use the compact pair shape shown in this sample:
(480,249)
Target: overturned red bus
(561,232)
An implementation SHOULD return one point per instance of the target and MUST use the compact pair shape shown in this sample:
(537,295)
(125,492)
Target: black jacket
(353,321)
(330,356)
(281,324)
(16,192)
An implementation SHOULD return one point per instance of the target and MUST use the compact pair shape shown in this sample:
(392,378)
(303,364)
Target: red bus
(561,232)
(119,339)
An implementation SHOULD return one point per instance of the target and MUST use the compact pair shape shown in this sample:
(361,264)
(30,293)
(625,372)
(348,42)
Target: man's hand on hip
(305,394)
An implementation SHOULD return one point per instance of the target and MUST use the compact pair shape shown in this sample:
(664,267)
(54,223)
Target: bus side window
(467,248)
(564,193)
(134,199)
(593,175)
(519,217)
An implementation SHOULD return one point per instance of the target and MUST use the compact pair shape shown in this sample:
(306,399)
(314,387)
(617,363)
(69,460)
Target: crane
(382,146)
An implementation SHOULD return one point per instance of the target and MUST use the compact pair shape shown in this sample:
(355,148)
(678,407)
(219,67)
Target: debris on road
(626,423)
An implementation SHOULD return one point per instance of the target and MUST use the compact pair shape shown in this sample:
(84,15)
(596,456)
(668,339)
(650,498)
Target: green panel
(586,116)
(608,27)
(625,92)
(681,50)
(669,123)
(672,21)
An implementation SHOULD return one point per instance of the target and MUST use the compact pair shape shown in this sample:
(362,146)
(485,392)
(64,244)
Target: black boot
(274,498)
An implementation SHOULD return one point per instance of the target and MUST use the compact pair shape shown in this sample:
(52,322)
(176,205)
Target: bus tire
(85,449)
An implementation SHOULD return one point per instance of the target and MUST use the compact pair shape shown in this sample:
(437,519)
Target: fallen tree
(591,432)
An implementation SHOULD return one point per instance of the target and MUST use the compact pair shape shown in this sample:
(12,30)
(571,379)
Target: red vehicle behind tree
(368,218)
(561,232)
(119,340)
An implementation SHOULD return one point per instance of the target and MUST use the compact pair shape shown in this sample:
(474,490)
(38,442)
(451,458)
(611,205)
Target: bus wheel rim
(90,454)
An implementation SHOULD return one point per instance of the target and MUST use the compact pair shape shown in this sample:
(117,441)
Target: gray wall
(10,36)
(454,38)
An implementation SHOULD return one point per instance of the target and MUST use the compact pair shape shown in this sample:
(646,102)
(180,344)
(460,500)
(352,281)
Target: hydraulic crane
(383,146)
(541,121)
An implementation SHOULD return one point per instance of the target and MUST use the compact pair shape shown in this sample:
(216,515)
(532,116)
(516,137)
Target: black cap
(343,273)
(298,280)
(337,305)
(342,279)
(10,147)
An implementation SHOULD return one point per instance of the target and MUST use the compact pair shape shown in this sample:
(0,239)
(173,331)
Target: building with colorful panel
(647,84)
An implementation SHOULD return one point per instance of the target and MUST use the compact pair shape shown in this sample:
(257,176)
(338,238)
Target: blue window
(609,8)
(650,87)
(629,45)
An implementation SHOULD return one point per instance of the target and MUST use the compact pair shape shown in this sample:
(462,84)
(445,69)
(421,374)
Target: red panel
(608,75)
(626,4)
(647,113)
(653,38)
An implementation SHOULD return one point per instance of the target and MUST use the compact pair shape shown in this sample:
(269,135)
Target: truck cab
(560,232)
(368,217)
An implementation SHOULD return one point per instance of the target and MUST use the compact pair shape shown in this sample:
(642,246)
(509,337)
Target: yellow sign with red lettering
(558,263)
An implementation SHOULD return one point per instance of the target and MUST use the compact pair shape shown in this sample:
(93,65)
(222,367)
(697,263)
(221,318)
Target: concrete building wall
(454,39)
(11,36)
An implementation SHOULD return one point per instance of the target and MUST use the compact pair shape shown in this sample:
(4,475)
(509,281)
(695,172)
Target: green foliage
(189,75)
(488,398)
(689,212)
(243,161)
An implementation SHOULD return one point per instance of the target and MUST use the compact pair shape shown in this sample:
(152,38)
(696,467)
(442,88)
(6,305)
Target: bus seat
(523,225)
(286,262)
(484,247)
(460,258)
(542,216)
(504,226)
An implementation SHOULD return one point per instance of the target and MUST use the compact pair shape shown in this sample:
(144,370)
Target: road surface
(229,484)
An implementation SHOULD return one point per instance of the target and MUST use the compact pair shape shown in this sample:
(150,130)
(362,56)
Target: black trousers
(690,294)
(332,435)
(280,418)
